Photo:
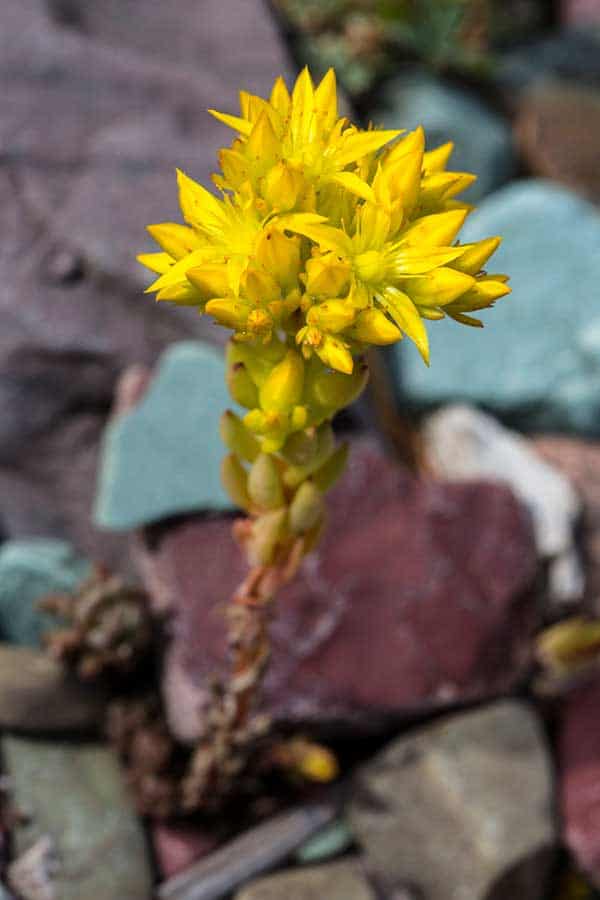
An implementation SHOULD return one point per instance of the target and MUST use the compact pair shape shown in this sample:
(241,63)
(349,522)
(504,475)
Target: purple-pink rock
(420,596)
(579,765)
(581,12)
(177,846)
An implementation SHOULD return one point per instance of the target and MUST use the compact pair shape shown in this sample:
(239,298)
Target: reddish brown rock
(579,459)
(177,846)
(558,128)
(579,765)
(419,597)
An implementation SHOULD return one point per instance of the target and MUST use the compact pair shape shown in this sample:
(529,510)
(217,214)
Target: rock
(558,127)
(178,846)
(251,854)
(29,571)
(332,841)
(463,443)
(424,586)
(580,12)
(461,808)
(37,694)
(336,881)
(79,180)
(553,380)
(74,794)
(482,139)
(163,458)
(579,767)
(580,461)
(195,37)
(571,54)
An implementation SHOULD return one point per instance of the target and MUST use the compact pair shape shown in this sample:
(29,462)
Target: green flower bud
(241,386)
(283,388)
(327,475)
(334,390)
(306,509)
(295,475)
(235,481)
(237,438)
(267,531)
(264,483)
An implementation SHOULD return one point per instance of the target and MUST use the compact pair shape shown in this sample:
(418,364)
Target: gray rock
(30,570)
(462,443)
(163,457)
(335,881)
(461,809)
(482,139)
(537,362)
(572,54)
(38,695)
(251,854)
(74,795)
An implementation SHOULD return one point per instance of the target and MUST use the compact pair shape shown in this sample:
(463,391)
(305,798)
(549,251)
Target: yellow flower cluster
(326,239)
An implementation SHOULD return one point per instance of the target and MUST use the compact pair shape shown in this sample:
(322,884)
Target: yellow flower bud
(176,240)
(279,255)
(335,353)
(306,508)
(237,438)
(210,279)
(235,481)
(229,313)
(283,388)
(569,644)
(373,327)
(260,287)
(283,184)
(259,358)
(332,315)
(327,275)
(334,390)
(264,483)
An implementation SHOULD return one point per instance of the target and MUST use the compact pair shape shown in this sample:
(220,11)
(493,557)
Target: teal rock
(163,458)
(482,138)
(331,841)
(29,570)
(75,795)
(537,361)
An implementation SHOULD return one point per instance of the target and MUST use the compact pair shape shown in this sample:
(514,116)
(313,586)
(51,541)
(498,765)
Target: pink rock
(581,12)
(178,846)
(420,596)
(579,763)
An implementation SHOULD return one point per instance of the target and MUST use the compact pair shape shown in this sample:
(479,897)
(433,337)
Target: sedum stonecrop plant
(326,239)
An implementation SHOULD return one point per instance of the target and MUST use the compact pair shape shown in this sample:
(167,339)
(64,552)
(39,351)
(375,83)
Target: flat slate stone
(75,795)
(482,138)
(462,808)
(336,881)
(30,570)
(39,695)
(537,361)
(162,458)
